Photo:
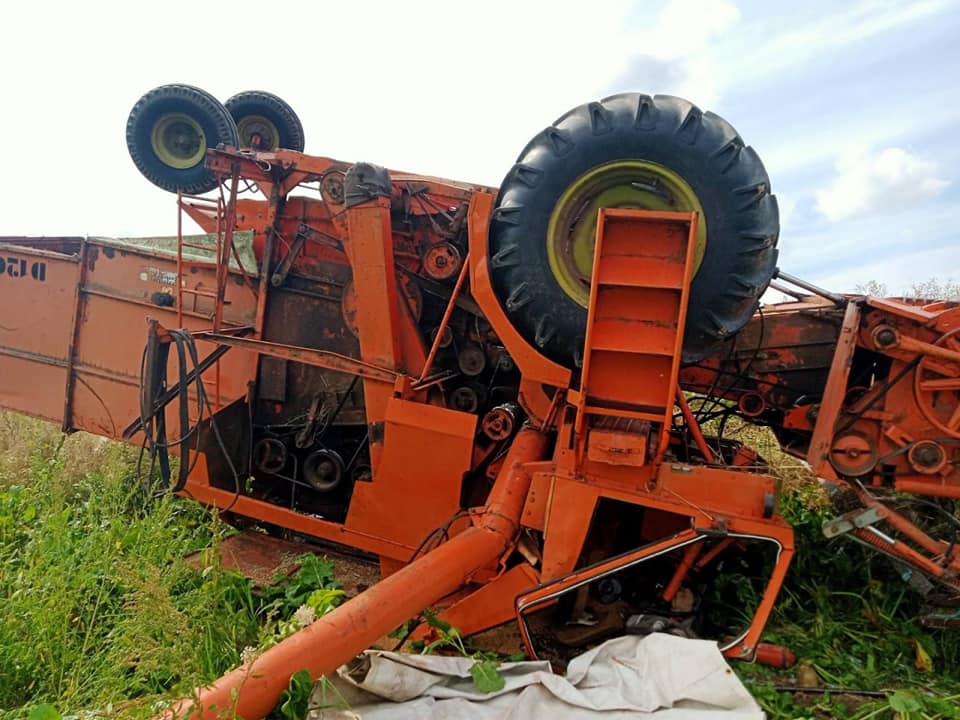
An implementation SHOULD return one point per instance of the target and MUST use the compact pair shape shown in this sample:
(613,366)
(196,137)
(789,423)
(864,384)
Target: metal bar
(748,646)
(67,422)
(884,543)
(37,252)
(835,390)
(832,297)
(428,364)
(693,426)
(903,525)
(265,263)
(690,554)
(307,356)
(547,592)
(786,291)
(180,259)
(713,552)
(146,304)
(229,221)
(911,344)
(284,267)
(172,393)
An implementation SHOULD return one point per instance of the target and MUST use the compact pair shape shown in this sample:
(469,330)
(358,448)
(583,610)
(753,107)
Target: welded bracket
(852,520)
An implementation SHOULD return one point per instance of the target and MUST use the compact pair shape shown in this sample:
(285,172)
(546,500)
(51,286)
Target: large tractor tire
(169,132)
(265,122)
(631,151)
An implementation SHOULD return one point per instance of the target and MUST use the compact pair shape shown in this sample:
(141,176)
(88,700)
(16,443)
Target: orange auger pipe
(252,690)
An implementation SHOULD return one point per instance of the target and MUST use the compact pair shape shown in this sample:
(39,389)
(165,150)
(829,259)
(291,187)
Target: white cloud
(849,24)
(787,205)
(674,53)
(884,182)
(696,22)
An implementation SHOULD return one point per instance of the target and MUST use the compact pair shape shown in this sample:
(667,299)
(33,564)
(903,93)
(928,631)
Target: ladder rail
(639,291)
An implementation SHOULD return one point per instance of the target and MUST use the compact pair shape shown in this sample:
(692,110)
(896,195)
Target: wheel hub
(630,184)
(178,141)
(258,132)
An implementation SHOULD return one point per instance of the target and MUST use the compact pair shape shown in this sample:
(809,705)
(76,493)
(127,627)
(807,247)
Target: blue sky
(855,109)
(854,106)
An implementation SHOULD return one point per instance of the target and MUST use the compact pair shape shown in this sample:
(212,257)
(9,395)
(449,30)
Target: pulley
(323,470)
(500,422)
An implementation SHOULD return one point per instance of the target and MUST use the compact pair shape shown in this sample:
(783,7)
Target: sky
(853,106)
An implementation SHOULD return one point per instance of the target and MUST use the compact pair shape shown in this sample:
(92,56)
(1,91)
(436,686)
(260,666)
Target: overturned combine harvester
(484,388)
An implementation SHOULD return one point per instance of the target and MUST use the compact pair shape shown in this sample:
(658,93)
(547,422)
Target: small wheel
(169,131)
(641,152)
(265,122)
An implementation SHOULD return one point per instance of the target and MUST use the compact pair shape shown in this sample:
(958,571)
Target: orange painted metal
(534,366)
(308,356)
(694,427)
(416,487)
(444,322)
(690,555)
(548,592)
(834,392)
(642,264)
(776,656)
(253,689)
(487,606)
(62,357)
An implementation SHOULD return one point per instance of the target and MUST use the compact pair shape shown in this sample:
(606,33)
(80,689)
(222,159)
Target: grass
(849,616)
(100,615)
(99,611)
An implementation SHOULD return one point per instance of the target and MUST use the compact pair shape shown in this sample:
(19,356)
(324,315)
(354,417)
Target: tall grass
(99,611)
(98,608)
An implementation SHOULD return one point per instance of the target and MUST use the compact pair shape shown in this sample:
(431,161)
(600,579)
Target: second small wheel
(265,122)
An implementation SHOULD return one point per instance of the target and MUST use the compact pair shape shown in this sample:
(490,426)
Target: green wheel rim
(252,127)
(178,141)
(631,184)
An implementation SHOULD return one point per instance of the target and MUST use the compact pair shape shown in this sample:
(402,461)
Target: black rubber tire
(201,106)
(728,178)
(274,109)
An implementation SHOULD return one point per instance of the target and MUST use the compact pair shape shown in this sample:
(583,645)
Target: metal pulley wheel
(442,261)
(269,455)
(500,422)
(472,360)
(465,399)
(927,457)
(446,340)
(854,454)
(323,470)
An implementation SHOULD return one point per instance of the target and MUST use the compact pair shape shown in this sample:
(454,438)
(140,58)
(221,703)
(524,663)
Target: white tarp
(657,676)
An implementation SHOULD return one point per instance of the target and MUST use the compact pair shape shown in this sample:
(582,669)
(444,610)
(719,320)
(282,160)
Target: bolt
(927,455)
(885,337)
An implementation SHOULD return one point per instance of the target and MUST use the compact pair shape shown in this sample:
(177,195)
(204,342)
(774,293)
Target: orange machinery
(485,389)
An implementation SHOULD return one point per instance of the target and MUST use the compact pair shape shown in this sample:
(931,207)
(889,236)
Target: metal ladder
(224,210)
(642,267)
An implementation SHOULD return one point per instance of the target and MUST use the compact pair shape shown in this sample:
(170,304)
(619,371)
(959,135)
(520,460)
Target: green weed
(99,611)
